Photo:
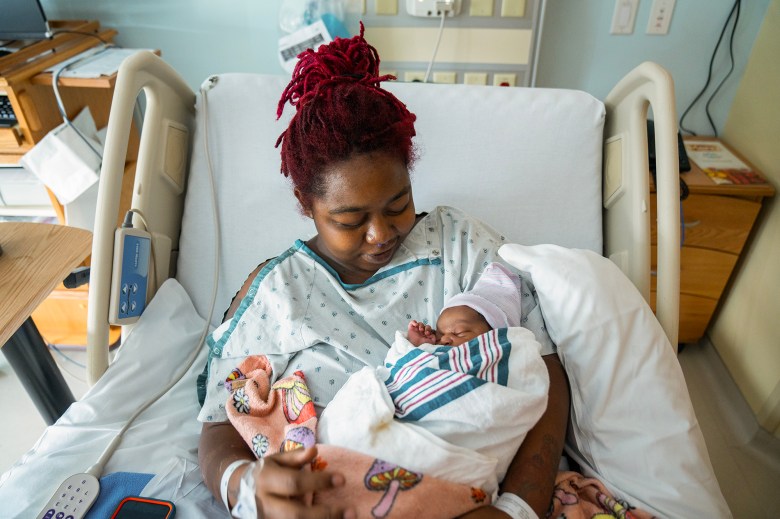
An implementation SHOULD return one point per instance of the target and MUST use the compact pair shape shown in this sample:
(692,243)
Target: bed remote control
(132,249)
(73,499)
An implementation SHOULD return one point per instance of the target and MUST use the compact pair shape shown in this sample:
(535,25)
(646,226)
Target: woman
(332,304)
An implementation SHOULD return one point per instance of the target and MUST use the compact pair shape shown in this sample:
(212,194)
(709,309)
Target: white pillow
(632,422)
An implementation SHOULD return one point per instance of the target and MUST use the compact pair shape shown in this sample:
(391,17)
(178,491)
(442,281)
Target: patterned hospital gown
(299,313)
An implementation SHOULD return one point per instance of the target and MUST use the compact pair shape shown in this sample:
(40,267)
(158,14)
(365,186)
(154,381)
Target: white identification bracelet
(223,484)
(514,506)
(246,503)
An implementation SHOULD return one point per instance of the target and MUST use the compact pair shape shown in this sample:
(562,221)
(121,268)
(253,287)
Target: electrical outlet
(481,8)
(660,17)
(506,80)
(513,8)
(414,77)
(475,78)
(433,8)
(444,77)
(624,16)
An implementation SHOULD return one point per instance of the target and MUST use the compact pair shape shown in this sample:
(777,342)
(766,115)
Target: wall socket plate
(660,17)
(432,8)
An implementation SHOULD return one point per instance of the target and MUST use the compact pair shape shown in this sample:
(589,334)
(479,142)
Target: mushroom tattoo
(390,478)
(235,380)
(478,495)
(298,438)
(296,399)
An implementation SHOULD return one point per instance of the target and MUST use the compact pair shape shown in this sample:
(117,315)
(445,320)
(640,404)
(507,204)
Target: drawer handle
(692,223)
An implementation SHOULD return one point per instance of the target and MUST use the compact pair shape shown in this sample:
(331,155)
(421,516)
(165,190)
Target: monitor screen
(22,20)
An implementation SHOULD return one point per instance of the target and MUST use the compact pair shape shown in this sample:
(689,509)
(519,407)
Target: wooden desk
(36,258)
(717,221)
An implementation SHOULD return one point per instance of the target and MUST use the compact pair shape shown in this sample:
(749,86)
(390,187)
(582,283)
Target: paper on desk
(63,161)
(94,63)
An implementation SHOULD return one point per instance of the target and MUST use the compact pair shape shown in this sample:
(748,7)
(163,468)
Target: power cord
(55,80)
(97,469)
(737,5)
(734,9)
(443,7)
(62,354)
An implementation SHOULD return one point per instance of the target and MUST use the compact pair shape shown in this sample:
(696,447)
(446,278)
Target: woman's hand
(284,490)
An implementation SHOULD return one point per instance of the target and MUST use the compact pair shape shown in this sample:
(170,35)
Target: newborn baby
(494,302)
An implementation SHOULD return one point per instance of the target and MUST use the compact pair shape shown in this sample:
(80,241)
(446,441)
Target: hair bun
(343,60)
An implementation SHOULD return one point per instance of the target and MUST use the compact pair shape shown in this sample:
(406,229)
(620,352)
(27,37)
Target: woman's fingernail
(350,514)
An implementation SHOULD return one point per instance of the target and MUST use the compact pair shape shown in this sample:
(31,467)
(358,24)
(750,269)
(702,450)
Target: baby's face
(459,324)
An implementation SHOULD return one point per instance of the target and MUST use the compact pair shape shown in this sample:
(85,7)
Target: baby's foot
(420,333)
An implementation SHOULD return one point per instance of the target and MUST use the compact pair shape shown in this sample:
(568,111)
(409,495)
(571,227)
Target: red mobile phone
(135,507)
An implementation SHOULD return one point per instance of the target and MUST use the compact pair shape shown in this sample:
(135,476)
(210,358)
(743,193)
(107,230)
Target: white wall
(746,330)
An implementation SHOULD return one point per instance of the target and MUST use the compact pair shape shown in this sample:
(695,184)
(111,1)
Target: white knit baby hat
(496,295)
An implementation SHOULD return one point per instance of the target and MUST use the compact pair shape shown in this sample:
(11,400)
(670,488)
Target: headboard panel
(527,161)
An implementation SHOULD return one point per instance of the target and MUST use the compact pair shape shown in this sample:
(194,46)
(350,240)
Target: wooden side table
(36,258)
(718,219)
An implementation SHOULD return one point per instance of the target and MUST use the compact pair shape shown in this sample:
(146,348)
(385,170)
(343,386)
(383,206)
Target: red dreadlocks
(341,111)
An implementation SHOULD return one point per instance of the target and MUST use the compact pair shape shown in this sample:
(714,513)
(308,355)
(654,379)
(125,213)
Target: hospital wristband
(223,484)
(514,506)
(246,502)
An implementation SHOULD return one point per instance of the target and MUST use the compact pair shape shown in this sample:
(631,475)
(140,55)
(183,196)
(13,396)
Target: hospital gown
(299,313)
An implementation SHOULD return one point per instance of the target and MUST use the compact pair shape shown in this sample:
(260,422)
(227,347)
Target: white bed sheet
(164,439)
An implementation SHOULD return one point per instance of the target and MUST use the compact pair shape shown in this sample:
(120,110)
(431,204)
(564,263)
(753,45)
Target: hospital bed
(545,166)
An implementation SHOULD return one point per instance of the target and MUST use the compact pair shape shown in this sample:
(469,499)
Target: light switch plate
(624,16)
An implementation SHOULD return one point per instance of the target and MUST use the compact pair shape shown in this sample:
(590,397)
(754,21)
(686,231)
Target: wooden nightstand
(717,219)
(36,258)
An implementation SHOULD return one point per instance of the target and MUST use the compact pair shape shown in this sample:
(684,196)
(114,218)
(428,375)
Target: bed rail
(627,187)
(161,176)
(158,191)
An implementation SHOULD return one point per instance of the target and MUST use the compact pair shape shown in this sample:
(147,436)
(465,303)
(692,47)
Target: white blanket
(633,424)
(459,413)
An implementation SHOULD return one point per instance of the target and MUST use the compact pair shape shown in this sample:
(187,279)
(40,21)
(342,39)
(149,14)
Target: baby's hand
(420,333)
